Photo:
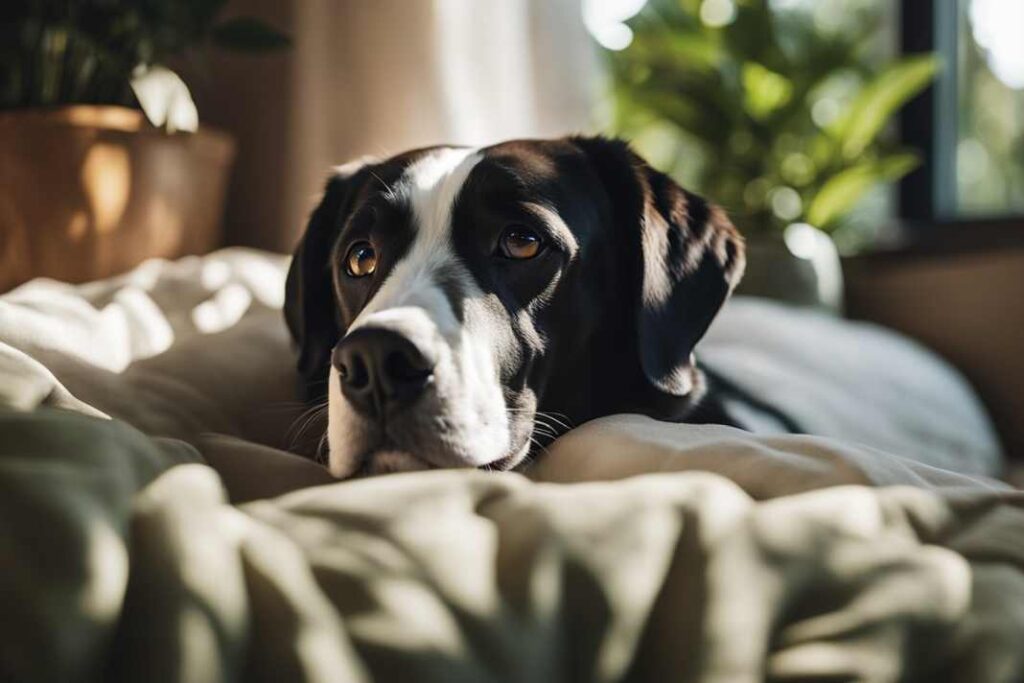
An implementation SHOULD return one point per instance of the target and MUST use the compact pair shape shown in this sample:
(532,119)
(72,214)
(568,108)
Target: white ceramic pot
(802,268)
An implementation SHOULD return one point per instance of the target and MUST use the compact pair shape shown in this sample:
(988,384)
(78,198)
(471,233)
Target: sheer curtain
(379,76)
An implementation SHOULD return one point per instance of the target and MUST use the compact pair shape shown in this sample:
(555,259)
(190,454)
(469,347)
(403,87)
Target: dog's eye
(361,260)
(518,242)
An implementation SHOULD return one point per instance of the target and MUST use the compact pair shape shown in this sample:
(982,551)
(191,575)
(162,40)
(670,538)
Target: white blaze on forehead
(433,183)
(430,185)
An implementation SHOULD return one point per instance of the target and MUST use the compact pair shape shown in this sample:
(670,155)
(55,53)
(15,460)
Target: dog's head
(445,298)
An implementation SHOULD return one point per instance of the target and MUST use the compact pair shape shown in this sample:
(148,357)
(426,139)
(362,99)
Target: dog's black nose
(381,370)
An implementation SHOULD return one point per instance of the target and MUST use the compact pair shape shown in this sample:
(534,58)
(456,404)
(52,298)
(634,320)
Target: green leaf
(895,166)
(880,99)
(246,34)
(841,192)
(764,91)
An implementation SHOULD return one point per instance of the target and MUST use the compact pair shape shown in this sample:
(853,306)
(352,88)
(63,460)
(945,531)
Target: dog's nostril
(401,367)
(354,373)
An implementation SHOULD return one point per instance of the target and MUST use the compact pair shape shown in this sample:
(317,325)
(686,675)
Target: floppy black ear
(690,259)
(309,306)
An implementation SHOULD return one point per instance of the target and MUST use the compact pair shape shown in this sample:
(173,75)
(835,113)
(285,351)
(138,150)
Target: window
(971,126)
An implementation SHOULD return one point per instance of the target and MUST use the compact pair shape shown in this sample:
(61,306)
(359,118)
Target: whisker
(560,419)
(531,455)
(313,419)
(312,410)
(321,456)
(546,427)
(543,427)
(545,431)
(303,422)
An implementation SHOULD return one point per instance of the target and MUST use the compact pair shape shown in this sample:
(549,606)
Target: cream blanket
(128,555)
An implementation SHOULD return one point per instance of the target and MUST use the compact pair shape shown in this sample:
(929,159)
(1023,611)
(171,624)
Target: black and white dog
(444,298)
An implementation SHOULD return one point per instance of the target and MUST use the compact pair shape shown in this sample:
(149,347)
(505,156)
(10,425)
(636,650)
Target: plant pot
(90,191)
(800,267)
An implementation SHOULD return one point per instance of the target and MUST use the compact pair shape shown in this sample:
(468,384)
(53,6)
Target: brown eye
(361,260)
(519,243)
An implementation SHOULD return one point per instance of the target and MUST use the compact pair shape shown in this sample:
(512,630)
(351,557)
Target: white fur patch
(343,429)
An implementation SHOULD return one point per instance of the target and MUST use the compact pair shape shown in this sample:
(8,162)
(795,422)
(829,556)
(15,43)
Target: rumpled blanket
(136,545)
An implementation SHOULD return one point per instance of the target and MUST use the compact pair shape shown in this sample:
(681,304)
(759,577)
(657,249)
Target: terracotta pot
(90,191)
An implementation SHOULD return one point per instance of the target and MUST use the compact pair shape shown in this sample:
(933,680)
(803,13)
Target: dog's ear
(309,307)
(690,259)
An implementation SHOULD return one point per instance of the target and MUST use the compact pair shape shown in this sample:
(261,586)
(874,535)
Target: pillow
(173,348)
(851,381)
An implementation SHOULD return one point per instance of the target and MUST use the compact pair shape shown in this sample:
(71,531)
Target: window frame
(927,196)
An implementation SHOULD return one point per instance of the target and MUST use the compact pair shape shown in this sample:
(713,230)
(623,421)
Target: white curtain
(380,76)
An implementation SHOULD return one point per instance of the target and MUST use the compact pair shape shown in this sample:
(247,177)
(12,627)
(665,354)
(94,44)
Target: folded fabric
(175,349)
(124,560)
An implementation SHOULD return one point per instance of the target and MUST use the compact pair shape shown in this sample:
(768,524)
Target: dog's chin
(510,462)
(391,461)
(388,461)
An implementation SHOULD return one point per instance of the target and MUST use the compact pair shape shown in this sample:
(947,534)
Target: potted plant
(778,118)
(102,160)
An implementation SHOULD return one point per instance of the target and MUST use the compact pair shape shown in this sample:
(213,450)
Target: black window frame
(927,196)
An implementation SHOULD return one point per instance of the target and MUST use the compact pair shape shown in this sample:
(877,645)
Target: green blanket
(123,560)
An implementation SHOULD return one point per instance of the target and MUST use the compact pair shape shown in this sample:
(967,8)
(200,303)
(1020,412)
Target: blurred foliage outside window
(777,110)
(56,52)
(990,94)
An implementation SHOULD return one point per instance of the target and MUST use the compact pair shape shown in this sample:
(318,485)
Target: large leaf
(248,35)
(893,167)
(764,91)
(842,191)
(880,99)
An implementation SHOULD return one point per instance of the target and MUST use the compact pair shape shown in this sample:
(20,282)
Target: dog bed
(153,526)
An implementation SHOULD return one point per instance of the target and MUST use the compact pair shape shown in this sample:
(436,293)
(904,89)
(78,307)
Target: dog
(459,306)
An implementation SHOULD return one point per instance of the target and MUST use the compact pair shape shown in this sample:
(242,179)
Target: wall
(379,77)
(969,307)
